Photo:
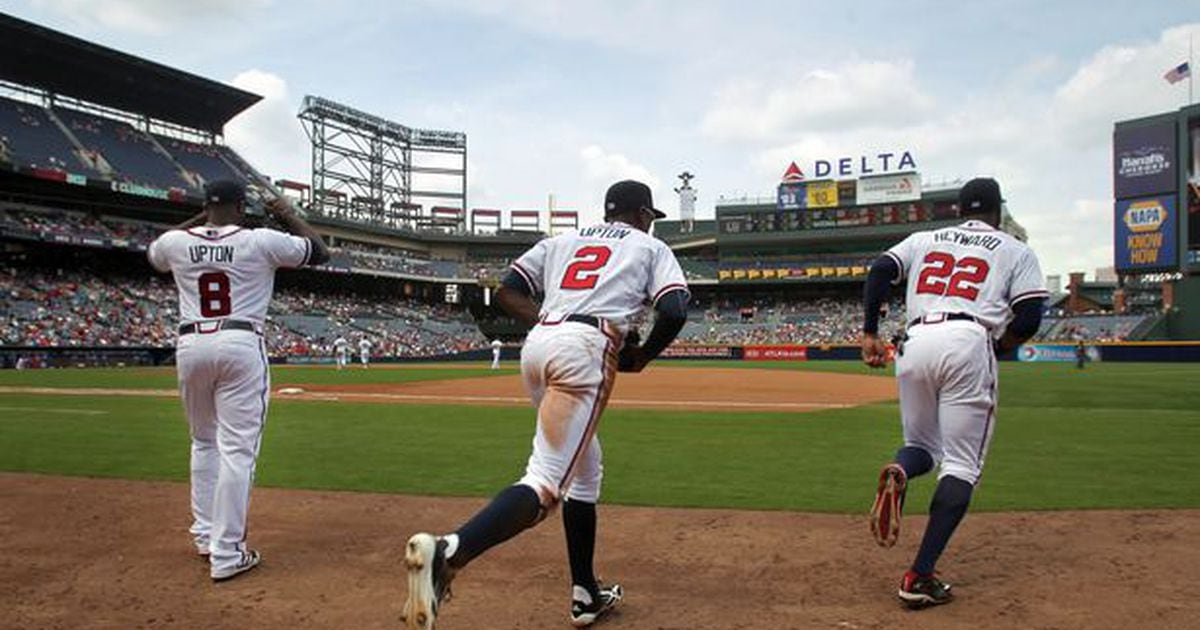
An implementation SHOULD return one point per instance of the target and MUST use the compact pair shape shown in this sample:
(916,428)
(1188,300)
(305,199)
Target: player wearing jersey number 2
(593,283)
(972,291)
(225,275)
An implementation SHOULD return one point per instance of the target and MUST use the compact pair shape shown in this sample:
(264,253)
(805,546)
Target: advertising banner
(1144,160)
(1145,234)
(698,352)
(775,353)
(792,196)
(889,188)
(822,194)
(1060,353)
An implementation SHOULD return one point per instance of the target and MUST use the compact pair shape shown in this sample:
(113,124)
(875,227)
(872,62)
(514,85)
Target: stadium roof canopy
(38,57)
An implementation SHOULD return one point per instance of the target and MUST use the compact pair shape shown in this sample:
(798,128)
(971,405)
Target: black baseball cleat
(429,577)
(889,504)
(922,591)
(589,606)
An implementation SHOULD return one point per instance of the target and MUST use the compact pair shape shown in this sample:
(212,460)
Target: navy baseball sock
(579,522)
(511,512)
(946,511)
(914,460)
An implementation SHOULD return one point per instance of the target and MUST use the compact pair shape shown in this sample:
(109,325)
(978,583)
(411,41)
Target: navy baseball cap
(980,196)
(630,195)
(224,191)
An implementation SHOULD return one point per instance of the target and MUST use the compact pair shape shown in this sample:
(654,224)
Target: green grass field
(1112,436)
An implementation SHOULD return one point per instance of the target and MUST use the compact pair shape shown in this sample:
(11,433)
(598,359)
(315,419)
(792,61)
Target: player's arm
(199,219)
(670,314)
(281,209)
(1027,318)
(515,297)
(885,273)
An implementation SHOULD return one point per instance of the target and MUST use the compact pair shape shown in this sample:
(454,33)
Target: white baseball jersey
(496,346)
(971,268)
(227,271)
(607,270)
(341,344)
(364,346)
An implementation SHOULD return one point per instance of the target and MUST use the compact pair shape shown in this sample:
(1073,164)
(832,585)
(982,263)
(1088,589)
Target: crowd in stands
(77,308)
(821,321)
(77,225)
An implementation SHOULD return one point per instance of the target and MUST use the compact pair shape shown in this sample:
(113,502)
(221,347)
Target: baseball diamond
(384,395)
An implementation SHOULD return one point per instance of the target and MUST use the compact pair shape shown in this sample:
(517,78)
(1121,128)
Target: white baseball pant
(948,391)
(569,369)
(225,384)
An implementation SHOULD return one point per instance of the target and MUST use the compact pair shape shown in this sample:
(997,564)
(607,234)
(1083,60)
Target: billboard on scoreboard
(889,188)
(1147,237)
(1144,160)
(792,196)
(822,194)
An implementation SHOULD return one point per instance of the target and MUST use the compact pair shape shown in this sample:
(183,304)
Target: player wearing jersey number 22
(225,275)
(972,291)
(593,283)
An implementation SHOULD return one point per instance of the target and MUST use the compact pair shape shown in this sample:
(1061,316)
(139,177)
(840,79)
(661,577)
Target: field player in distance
(593,282)
(225,275)
(972,292)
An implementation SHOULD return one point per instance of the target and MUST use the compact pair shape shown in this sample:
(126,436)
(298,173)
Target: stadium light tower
(363,168)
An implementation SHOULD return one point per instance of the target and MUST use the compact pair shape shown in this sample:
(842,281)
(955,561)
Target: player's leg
(196,368)
(589,599)
(966,412)
(242,397)
(918,419)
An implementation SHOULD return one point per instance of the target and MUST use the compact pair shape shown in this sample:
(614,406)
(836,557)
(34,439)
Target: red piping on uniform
(1029,294)
(664,290)
(212,238)
(525,275)
(593,418)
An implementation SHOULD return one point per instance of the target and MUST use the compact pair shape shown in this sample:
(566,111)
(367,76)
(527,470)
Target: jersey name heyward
(985,241)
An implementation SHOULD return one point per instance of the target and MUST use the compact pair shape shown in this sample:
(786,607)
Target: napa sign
(861,165)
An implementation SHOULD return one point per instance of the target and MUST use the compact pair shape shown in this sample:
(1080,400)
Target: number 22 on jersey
(945,275)
(584,270)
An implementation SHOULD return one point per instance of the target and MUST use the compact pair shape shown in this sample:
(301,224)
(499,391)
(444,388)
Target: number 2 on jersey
(965,275)
(584,270)
(214,294)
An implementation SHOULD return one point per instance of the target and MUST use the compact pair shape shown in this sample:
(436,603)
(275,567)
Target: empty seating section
(33,140)
(200,159)
(128,151)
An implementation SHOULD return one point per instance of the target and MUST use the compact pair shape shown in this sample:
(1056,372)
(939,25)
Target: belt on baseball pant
(222,324)
(590,320)
(937,318)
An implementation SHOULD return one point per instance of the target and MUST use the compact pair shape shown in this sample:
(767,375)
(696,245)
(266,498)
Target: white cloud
(604,168)
(268,134)
(149,17)
(865,94)
(1121,82)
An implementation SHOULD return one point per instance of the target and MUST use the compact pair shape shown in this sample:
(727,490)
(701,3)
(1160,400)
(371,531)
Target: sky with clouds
(565,97)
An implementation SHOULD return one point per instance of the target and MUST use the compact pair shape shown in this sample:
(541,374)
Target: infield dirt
(95,553)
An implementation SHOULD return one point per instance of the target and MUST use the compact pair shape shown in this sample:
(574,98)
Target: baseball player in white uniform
(593,282)
(341,351)
(225,275)
(972,292)
(497,346)
(364,351)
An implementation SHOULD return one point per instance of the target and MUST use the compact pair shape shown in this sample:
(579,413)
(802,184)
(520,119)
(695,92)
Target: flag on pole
(1178,73)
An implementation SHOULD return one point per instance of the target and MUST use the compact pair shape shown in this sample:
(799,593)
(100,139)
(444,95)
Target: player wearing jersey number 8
(225,275)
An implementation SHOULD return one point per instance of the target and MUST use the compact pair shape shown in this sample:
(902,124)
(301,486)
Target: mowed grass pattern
(1111,436)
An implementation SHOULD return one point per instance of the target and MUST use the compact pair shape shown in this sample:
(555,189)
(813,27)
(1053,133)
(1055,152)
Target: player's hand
(278,207)
(631,359)
(874,351)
